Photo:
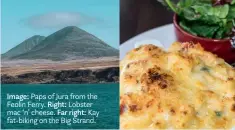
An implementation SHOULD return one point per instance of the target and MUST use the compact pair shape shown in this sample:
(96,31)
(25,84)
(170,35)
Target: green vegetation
(218,113)
(205,18)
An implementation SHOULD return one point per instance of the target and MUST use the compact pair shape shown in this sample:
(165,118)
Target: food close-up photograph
(177,62)
(117,64)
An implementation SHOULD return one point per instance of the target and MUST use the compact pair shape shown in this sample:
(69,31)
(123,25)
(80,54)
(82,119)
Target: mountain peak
(36,36)
(67,31)
(24,47)
(72,28)
(69,42)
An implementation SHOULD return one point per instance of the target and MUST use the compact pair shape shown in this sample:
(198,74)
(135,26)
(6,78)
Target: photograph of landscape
(60,45)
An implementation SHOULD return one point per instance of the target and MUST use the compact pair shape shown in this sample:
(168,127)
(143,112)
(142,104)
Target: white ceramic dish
(162,36)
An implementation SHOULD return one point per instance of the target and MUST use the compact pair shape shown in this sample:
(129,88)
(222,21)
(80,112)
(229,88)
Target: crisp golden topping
(185,87)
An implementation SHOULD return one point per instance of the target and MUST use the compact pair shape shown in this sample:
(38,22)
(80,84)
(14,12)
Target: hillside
(23,47)
(69,43)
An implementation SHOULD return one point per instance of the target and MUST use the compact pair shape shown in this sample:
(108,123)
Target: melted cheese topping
(185,87)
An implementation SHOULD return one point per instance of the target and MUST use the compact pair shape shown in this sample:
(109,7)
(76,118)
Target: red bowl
(222,48)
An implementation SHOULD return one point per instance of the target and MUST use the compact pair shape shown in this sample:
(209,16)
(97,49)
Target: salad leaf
(228,29)
(219,34)
(231,13)
(190,14)
(185,3)
(211,20)
(205,18)
(219,11)
(224,32)
(233,2)
(200,9)
(187,28)
(204,30)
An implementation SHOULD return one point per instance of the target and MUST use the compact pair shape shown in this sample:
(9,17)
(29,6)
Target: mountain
(69,43)
(23,47)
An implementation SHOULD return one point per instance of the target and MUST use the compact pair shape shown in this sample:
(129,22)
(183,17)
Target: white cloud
(58,20)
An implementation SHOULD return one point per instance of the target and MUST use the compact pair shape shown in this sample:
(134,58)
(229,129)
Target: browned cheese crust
(185,87)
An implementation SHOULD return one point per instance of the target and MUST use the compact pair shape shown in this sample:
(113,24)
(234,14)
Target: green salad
(205,18)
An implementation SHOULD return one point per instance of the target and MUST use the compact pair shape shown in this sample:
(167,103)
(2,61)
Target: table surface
(138,16)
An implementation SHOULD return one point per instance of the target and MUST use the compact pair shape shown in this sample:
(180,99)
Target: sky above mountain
(22,19)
